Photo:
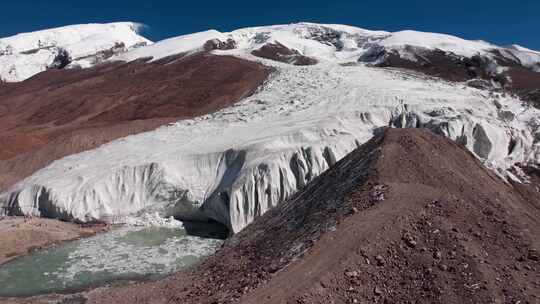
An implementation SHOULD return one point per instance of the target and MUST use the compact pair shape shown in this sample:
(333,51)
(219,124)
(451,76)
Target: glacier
(233,165)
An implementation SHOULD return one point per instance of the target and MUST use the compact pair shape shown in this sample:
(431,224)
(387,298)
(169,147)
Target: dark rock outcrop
(279,52)
(216,44)
(61,60)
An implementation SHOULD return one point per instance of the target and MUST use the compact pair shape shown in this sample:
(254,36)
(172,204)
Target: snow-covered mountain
(337,44)
(320,103)
(24,55)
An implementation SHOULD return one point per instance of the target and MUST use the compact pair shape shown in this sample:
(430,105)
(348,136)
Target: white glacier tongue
(235,164)
(24,55)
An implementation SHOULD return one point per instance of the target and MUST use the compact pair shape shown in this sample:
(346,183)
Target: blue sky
(500,22)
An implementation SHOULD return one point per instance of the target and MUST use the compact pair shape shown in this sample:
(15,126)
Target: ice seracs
(24,55)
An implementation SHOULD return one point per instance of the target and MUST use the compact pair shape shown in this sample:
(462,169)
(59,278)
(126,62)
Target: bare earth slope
(409,217)
(22,235)
(57,113)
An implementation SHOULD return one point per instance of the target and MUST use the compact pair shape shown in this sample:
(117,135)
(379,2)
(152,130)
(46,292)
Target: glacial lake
(129,253)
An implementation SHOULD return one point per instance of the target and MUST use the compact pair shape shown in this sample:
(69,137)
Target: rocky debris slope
(27,54)
(233,165)
(409,215)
